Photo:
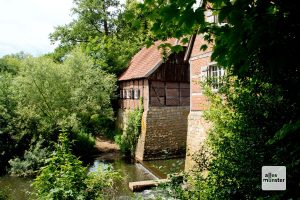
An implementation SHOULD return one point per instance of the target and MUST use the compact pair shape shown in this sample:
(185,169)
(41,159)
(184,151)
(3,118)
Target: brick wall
(197,63)
(196,134)
(163,134)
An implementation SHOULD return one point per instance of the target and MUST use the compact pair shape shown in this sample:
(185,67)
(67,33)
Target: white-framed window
(213,74)
(214,18)
(136,93)
(128,94)
(211,17)
(124,94)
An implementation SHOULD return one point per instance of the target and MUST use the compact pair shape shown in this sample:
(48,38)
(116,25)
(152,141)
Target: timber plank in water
(143,185)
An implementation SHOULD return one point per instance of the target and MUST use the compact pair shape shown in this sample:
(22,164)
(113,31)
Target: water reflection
(19,188)
(129,171)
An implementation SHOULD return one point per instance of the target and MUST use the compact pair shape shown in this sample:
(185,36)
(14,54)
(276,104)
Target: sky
(25,25)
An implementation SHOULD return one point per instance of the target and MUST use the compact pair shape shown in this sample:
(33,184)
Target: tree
(7,113)
(95,18)
(103,31)
(10,63)
(258,124)
(71,96)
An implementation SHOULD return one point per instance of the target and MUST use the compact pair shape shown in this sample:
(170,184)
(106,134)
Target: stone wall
(163,134)
(197,132)
(122,118)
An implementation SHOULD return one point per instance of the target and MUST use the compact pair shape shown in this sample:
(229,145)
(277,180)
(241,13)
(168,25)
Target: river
(19,188)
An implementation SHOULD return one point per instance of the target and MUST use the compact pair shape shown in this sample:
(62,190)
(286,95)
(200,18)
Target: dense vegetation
(104,31)
(71,90)
(43,98)
(256,114)
(64,177)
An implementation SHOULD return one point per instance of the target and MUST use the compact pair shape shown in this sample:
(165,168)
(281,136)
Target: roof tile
(145,61)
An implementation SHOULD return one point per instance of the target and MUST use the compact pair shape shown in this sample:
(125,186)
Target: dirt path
(105,145)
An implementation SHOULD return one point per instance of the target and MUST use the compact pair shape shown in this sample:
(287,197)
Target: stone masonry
(197,132)
(163,133)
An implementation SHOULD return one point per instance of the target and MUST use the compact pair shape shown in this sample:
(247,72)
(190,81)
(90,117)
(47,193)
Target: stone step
(143,185)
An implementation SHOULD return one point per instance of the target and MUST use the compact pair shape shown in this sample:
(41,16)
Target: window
(128,94)
(124,94)
(213,74)
(136,93)
(210,17)
(214,18)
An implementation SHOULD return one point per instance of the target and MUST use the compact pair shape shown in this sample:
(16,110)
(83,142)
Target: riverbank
(104,145)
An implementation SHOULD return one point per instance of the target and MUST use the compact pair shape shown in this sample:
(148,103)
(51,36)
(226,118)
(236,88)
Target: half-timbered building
(164,86)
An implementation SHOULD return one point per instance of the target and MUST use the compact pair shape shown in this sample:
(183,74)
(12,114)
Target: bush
(4,194)
(128,140)
(84,143)
(101,183)
(34,159)
(64,177)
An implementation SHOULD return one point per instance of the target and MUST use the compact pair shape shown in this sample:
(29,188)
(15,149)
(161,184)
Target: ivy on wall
(128,140)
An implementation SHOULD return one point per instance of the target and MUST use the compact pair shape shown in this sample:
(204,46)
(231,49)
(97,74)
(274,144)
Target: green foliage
(42,98)
(10,64)
(34,159)
(7,114)
(103,31)
(176,187)
(128,140)
(69,96)
(84,144)
(101,183)
(4,194)
(244,137)
(255,116)
(64,177)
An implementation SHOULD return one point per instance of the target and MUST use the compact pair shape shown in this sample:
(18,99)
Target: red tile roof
(145,62)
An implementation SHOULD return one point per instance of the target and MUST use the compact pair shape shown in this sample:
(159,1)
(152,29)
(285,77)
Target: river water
(19,188)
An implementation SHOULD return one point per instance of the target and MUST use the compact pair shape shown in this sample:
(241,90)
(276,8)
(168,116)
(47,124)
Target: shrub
(101,183)
(64,177)
(248,132)
(84,143)
(34,159)
(128,140)
(4,194)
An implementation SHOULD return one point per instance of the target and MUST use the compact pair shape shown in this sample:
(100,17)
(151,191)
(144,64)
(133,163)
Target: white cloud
(26,25)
